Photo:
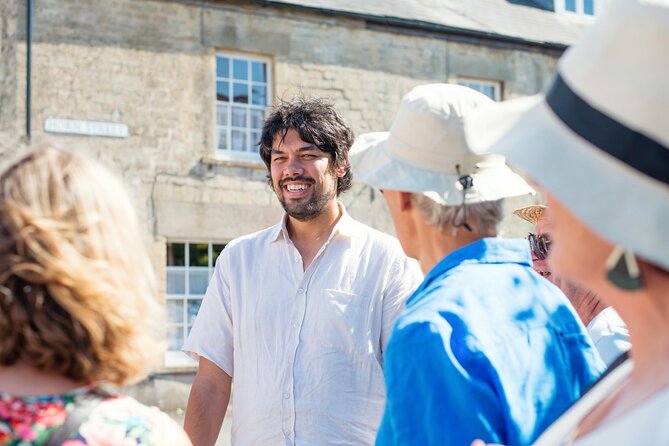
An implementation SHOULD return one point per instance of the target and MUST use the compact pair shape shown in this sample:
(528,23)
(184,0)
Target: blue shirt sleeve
(432,397)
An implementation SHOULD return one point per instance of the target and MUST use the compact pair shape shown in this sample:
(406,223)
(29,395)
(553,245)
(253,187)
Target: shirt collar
(277,231)
(487,250)
(346,227)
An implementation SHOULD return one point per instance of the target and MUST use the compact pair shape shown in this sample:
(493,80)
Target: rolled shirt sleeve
(211,336)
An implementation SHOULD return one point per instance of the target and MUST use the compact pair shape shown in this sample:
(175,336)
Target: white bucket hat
(425,151)
(599,139)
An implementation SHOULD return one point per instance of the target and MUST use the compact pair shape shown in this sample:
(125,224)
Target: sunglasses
(539,244)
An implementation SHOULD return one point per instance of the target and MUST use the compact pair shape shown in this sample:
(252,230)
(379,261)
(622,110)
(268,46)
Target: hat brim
(372,164)
(616,201)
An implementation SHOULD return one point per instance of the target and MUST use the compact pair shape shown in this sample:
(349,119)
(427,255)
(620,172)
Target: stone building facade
(169,94)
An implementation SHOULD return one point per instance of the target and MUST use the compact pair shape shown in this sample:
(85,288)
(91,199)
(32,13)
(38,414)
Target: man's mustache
(302,179)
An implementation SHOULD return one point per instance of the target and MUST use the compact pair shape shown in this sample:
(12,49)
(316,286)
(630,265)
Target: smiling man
(299,314)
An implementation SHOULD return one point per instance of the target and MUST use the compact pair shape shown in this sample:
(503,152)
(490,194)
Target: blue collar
(486,250)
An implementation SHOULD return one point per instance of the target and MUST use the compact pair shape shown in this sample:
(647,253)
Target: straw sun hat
(599,139)
(530,214)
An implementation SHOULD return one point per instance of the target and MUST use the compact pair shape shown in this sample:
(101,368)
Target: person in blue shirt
(486,347)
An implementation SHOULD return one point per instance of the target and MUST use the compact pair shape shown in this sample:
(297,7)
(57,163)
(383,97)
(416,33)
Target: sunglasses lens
(539,245)
(544,244)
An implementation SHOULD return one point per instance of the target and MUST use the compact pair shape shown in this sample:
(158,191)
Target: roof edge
(398,23)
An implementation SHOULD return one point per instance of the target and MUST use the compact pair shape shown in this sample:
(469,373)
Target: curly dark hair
(317,122)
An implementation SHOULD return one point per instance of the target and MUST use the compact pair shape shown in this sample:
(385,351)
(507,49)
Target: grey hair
(484,218)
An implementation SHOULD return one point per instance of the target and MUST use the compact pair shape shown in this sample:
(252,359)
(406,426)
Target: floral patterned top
(116,421)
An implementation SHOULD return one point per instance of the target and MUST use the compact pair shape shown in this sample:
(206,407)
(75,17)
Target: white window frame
(597,7)
(473,83)
(238,155)
(176,358)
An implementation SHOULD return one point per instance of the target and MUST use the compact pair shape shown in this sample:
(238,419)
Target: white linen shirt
(304,348)
(609,334)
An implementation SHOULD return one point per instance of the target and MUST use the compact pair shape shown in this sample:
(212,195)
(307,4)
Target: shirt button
(296,325)
(297,259)
(286,433)
(286,395)
(300,290)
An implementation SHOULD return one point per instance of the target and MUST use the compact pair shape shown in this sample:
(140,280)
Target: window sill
(215,160)
(178,362)
(578,17)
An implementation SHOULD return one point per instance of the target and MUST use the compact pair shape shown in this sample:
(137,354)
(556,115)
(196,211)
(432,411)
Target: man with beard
(299,314)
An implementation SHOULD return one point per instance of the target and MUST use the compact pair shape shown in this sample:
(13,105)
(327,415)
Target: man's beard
(312,208)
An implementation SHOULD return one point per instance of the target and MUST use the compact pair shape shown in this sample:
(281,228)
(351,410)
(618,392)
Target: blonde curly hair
(77,291)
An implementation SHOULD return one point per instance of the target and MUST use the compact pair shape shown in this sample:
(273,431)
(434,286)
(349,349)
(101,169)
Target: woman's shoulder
(121,420)
(113,420)
(646,423)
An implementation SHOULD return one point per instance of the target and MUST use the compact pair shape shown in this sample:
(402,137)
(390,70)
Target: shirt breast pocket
(342,321)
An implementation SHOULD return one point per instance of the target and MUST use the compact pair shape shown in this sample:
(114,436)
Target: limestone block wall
(150,64)
(8,77)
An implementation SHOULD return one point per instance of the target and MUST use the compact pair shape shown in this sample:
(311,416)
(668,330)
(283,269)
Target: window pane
(240,81)
(175,311)
(222,115)
(175,338)
(216,250)
(238,140)
(254,142)
(176,282)
(223,91)
(472,85)
(193,307)
(258,72)
(222,66)
(588,7)
(240,93)
(257,117)
(198,254)
(198,279)
(222,135)
(258,95)
(570,5)
(487,88)
(240,69)
(489,91)
(175,254)
(239,117)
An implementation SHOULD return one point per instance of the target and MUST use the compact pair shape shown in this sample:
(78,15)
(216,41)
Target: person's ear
(341,170)
(405,201)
